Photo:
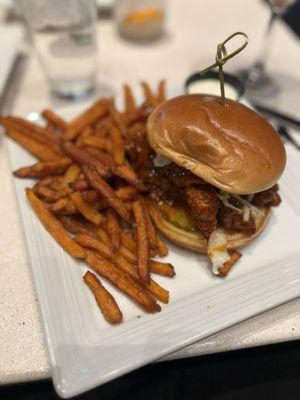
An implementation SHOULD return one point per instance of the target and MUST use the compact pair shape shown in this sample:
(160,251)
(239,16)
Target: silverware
(285,134)
(279,117)
(13,82)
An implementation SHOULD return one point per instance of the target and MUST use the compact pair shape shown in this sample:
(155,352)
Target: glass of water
(64,35)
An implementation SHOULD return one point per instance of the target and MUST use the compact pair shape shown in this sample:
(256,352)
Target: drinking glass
(258,83)
(140,20)
(64,36)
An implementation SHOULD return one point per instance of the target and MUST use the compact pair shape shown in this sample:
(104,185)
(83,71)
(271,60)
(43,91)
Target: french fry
(127,173)
(105,191)
(54,119)
(160,268)
(88,117)
(79,226)
(150,98)
(44,168)
(161,97)
(143,247)
(117,118)
(54,227)
(32,131)
(71,173)
(38,149)
(155,216)
(128,241)
(162,249)
(92,243)
(81,156)
(234,257)
(113,228)
(126,193)
(80,185)
(129,101)
(117,145)
(151,231)
(89,211)
(106,302)
(63,206)
(152,287)
(94,141)
(128,254)
(122,281)
(157,267)
(47,194)
(103,235)
(91,196)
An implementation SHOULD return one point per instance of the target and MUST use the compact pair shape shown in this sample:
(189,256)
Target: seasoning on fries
(89,196)
(106,302)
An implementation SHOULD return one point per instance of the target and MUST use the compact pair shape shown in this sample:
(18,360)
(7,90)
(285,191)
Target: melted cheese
(217,250)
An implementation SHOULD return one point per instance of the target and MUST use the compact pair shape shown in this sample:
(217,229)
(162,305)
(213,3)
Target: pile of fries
(89,198)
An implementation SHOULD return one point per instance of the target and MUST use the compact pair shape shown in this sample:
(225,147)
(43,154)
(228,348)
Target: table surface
(194,29)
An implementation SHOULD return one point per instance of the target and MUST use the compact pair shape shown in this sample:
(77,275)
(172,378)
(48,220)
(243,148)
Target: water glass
(64,35)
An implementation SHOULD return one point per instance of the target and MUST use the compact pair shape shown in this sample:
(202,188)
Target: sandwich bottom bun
(193,240)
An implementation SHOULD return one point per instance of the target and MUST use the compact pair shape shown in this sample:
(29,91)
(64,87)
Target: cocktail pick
(222,57)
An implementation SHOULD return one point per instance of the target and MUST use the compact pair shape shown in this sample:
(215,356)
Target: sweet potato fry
(128,241)
(44,168)
(161,97)
(143,247)
(126,193)
(88,117)
(105,191)
(129,101)
(89,211)
(122,281)
(91,196)
(47,194)
(128,254)
(155,216)
(152,287)
(160,268)
(77,225)
(103,235)
(38,149)
(117,119)
(54,227)
(71,173)
(92,243)
(94,141)
(54,119)
(117,145)
(234,257)
(106,302)
(80,185)
(150,98)
(81,156)
(162,249)
(127,173)
(32,131)
(113,228)
(63,206)
(151,231)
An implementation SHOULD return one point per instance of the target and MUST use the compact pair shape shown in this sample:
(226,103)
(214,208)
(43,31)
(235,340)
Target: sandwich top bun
(231,147)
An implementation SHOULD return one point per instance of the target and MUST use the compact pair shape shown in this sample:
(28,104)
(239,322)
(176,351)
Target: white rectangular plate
(85,351)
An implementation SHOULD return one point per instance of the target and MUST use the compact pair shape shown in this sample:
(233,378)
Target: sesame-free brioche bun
(193,240)
(231,147)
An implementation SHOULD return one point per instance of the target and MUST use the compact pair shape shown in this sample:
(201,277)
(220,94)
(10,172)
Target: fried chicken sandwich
(214,174)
